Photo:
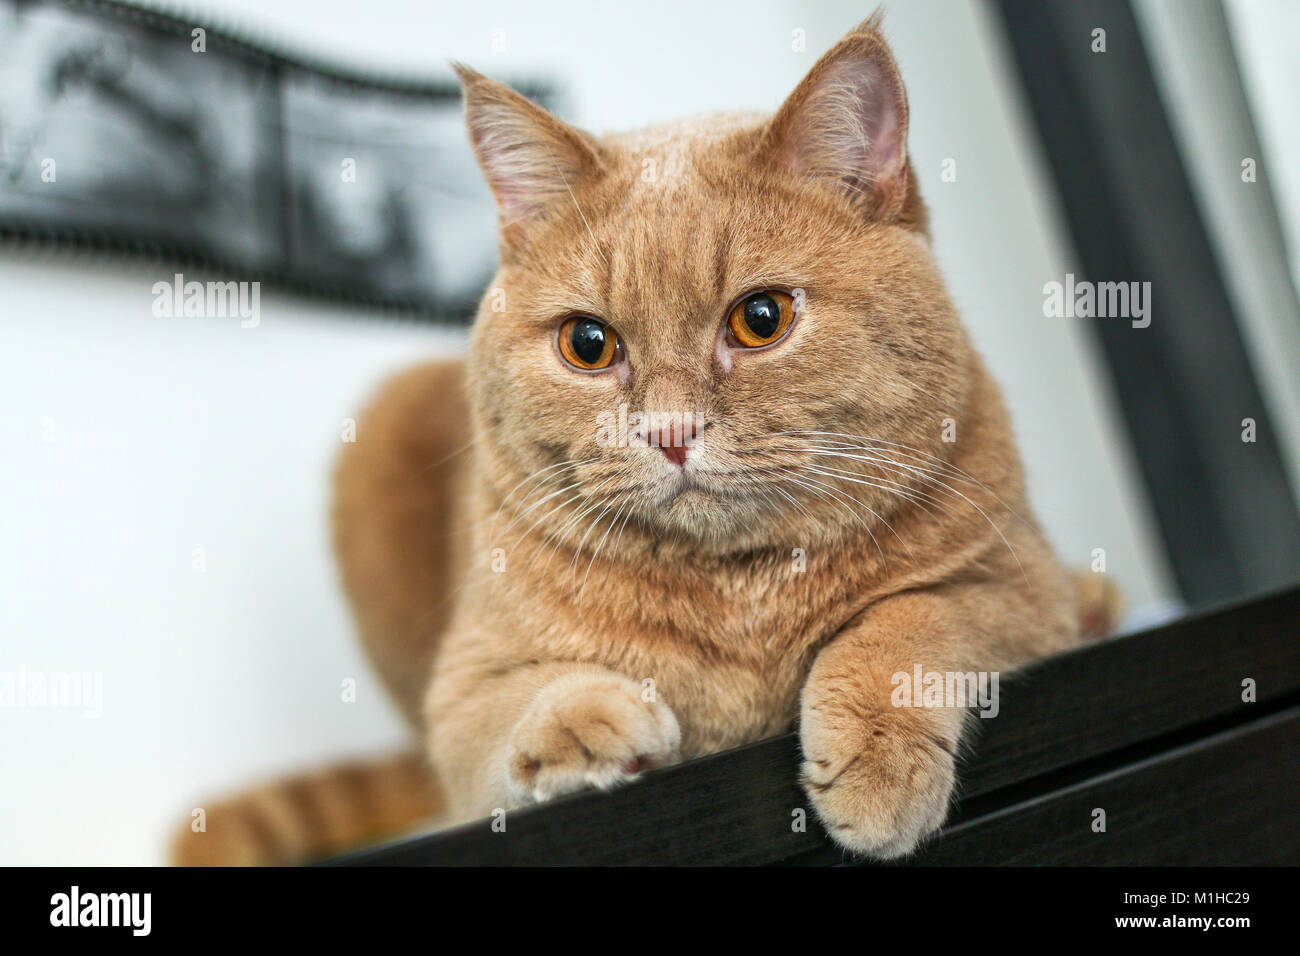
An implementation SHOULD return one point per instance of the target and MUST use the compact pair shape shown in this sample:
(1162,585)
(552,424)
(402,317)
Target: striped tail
(312,816)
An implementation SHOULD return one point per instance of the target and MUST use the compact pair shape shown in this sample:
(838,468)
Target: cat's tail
(1100,604)
(312,816)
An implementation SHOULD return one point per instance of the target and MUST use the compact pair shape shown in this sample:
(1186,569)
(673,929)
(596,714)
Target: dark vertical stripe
(1224,508)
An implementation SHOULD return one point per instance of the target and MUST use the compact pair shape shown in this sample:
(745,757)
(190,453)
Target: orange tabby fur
(552,614)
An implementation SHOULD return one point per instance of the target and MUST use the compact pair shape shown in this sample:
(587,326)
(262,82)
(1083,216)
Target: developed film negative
(125,129)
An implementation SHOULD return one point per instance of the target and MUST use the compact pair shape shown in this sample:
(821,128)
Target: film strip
(124,130)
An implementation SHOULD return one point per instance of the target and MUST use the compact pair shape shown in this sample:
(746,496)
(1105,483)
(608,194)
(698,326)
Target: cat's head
(729,331)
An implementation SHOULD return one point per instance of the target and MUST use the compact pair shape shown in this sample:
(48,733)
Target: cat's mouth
(688,485)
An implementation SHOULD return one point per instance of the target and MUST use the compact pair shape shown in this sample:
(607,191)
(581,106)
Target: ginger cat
(721,462)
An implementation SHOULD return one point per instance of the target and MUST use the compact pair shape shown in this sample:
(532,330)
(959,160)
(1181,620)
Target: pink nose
(676,433)
(675,453)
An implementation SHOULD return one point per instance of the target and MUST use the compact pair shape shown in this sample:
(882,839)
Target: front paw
(588,730)
(879,783)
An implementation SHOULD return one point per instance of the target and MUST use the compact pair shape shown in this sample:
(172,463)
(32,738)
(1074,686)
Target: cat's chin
(694,498)
(707,515)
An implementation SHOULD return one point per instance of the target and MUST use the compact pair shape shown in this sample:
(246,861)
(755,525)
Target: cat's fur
(553,614)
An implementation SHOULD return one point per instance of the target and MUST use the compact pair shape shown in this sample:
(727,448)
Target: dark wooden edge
(1225,800)
(1067,719)
(1184,384)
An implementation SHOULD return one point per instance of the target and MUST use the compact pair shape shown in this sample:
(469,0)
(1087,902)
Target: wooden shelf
(1150,727)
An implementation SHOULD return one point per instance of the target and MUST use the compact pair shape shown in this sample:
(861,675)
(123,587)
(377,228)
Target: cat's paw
(588,730)
(878,788)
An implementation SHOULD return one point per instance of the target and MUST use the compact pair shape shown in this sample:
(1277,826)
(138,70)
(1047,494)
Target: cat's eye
(761,318)
(588,343)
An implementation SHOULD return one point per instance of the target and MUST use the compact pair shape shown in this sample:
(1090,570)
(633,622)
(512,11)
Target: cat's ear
(530,158)
(846,123)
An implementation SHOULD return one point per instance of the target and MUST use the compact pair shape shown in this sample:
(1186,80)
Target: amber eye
(588,343)
(761,318)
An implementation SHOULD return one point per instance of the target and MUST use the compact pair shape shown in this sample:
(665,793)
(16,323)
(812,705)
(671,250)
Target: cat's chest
(727,651)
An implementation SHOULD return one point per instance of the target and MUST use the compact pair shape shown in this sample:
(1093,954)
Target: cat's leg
(879,758)
(509,736)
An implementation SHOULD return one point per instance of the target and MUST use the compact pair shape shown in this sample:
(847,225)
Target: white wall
(130,441)
(175,434)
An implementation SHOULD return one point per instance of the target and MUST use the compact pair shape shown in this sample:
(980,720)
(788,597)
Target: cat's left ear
(846,124)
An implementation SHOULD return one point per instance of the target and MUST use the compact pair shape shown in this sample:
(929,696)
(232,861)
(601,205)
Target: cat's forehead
(667,154)
(658,233)
(672,228)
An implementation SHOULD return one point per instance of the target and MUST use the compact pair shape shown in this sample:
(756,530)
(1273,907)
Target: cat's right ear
(530,159)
